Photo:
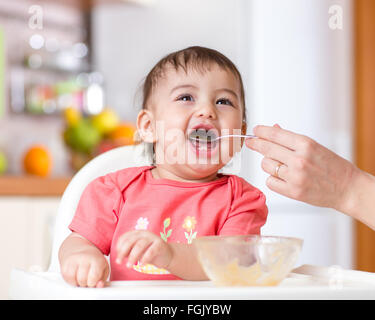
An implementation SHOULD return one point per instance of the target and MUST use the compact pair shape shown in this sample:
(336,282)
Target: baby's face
(184,103)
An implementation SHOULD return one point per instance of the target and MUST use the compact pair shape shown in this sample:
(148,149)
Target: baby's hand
(145,247)
(85,269)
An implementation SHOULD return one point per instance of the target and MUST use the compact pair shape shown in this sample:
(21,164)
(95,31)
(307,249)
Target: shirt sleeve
(248,211)
(97,212)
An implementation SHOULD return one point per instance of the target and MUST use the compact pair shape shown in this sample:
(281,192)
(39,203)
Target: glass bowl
(247,260)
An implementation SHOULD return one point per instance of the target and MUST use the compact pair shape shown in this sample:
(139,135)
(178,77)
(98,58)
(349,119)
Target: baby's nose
(207,111)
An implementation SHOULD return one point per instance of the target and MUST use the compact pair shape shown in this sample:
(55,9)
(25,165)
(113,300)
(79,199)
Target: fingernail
(129,265)
(118,261)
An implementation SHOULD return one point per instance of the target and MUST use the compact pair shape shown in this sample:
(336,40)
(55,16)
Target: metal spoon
(208,138)
(234,135)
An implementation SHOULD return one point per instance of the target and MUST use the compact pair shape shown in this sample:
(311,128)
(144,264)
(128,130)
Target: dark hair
(193,57)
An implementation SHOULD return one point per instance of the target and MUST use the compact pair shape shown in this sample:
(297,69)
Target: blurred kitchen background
(70,85)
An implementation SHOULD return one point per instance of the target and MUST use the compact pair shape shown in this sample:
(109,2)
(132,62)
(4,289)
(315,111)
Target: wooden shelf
(33,186)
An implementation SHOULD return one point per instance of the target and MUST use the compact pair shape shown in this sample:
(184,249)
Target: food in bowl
(247,260)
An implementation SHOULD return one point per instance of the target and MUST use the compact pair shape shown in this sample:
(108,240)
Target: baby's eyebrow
(183,86)
(195,87)
(227,90)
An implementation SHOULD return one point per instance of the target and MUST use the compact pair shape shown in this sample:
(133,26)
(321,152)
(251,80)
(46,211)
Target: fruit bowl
(247,260)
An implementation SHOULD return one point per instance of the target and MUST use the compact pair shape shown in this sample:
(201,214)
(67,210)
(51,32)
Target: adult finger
(278,185)
(270,166)
(278,135)
(271,150)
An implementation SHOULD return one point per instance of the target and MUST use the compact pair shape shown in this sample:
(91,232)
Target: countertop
(32,186)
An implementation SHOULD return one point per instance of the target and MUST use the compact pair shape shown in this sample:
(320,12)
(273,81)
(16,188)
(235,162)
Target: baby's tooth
(203,146)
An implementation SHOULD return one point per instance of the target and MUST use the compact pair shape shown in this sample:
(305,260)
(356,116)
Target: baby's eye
(224,101)
(185,97)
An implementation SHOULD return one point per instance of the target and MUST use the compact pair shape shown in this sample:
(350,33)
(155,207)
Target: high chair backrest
(113,160)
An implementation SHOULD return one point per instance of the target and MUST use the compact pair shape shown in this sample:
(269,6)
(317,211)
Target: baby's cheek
(228,149)
(226,152)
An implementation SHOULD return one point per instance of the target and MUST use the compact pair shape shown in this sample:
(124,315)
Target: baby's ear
(145,127)
(243,131)
(243,128)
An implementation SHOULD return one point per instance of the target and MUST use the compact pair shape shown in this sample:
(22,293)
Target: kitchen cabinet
(32,186)
(26,234)
(364,52)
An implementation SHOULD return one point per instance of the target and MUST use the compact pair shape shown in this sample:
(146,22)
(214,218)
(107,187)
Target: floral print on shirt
(189,225)
(164,235)
(142,224)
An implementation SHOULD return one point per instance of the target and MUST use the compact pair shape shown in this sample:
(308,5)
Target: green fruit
(82,137)
(3,163)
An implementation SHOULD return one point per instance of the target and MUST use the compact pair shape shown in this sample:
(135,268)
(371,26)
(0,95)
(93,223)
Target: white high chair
(305,282)
(110,161)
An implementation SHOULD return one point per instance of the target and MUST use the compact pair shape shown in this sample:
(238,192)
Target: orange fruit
(37,161)
(123,134)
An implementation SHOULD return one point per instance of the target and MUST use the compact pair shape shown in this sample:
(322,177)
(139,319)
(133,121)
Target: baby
(146,218)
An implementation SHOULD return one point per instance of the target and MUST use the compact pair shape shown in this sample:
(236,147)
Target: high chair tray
(305,282)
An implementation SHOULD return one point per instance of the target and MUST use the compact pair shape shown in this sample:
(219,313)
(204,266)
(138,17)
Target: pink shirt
(131,199)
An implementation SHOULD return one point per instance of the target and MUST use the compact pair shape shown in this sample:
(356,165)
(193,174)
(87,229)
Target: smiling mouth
(203,140)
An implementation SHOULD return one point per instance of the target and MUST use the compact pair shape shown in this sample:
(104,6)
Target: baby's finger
(152,251)
(128,236)
(69,274)
(101,284)
(124,248)
(82,273)
(137,252)
(95,275)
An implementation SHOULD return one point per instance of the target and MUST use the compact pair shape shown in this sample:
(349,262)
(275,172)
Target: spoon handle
(236,135)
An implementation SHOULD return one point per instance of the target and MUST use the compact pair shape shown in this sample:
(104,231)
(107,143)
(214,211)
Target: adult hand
(302,169)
